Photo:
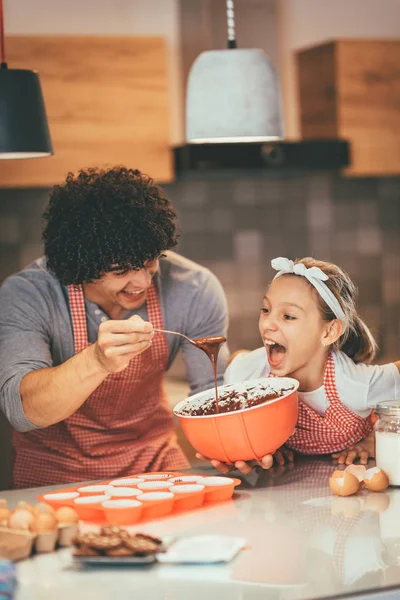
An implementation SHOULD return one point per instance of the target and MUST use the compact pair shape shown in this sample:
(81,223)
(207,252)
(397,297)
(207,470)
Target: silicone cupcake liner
(89,508)
(184,479)
(219,489)
(157,504)
(123,511)
(156,476)
(126,482)
(122,492)
(154,486)
(188,496)
(58,499)
(92,490)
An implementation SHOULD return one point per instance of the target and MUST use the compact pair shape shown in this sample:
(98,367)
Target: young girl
(311,331)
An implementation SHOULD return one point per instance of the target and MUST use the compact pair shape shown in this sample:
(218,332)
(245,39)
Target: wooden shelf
(350,89)
(107,103)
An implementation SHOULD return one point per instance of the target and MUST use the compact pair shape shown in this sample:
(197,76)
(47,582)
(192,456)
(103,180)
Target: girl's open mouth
(276,353)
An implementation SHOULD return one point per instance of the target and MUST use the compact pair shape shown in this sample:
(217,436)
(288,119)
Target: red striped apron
(338,429)
(125,425)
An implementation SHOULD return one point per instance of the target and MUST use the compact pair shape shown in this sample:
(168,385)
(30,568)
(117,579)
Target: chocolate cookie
(146,536)
(111,530)
(121,551)
(141,547)
(84,539)
(113,541)
(85,551)
(124,534)
(106,542)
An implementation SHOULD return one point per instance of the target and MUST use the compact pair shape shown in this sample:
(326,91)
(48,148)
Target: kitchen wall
(303,23)
(236,225)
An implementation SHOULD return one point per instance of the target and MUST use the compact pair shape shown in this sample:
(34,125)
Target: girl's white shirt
(360,387)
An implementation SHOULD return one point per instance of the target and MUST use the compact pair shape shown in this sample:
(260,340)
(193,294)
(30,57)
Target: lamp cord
(3,64)
(230,16)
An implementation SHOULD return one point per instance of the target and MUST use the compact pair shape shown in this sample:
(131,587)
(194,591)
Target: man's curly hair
(100,219)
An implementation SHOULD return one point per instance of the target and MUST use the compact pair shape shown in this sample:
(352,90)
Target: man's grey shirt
(36,327)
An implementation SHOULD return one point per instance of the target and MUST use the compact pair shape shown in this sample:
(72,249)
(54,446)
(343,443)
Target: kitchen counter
(302,543)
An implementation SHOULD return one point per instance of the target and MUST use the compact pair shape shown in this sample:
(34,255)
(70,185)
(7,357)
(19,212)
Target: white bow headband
(316,277)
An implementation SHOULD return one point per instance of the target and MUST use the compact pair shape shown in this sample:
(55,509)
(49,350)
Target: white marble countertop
(302,543)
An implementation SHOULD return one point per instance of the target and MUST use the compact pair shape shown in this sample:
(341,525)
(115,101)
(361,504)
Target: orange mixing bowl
(244,434)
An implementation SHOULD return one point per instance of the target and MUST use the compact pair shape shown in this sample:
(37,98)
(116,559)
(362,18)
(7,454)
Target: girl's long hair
(356,340)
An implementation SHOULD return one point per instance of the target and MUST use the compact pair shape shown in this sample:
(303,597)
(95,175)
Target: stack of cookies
(113,541)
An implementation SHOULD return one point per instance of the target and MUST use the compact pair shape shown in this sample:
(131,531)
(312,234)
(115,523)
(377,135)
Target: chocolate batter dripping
(211,346)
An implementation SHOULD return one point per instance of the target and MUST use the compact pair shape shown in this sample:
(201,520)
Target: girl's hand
(349,455)
(280,457)
(364,450)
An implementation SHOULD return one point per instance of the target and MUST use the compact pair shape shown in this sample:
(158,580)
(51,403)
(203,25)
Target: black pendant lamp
(24,132)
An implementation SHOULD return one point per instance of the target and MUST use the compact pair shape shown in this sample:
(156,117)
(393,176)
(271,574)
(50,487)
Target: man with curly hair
(81,365)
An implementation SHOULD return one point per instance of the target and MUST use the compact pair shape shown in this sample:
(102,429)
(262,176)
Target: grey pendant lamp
(24,132)
(233,95)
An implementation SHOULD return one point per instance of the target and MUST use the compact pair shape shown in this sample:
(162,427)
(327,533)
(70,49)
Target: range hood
(234,117)
(279,155)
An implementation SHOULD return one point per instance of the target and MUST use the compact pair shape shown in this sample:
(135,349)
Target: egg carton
(18,544)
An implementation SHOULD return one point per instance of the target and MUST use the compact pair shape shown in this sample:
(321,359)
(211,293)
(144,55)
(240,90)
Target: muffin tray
(142,497)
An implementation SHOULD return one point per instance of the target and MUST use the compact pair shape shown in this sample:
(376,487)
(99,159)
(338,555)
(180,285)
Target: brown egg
(376,480)
(357,470)
(44,522)
(5,514)
(41,508)
(21,518)
(24,506)
(66,514)
(343,483)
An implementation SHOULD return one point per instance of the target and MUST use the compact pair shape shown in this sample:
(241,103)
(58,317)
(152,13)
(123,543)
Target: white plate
(203,549)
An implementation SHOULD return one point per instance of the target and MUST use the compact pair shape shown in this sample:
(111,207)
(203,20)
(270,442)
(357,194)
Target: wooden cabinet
(107,102)
(351,89)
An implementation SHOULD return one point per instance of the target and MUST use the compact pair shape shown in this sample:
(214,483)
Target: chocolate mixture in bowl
(232,401)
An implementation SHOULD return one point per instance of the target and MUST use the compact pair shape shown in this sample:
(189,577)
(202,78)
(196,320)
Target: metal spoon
(206,344)
(176,333)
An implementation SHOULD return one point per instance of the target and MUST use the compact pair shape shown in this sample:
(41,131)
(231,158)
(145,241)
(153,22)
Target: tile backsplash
(236,225)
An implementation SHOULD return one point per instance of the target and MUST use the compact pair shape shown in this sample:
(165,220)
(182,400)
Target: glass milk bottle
(387,439)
